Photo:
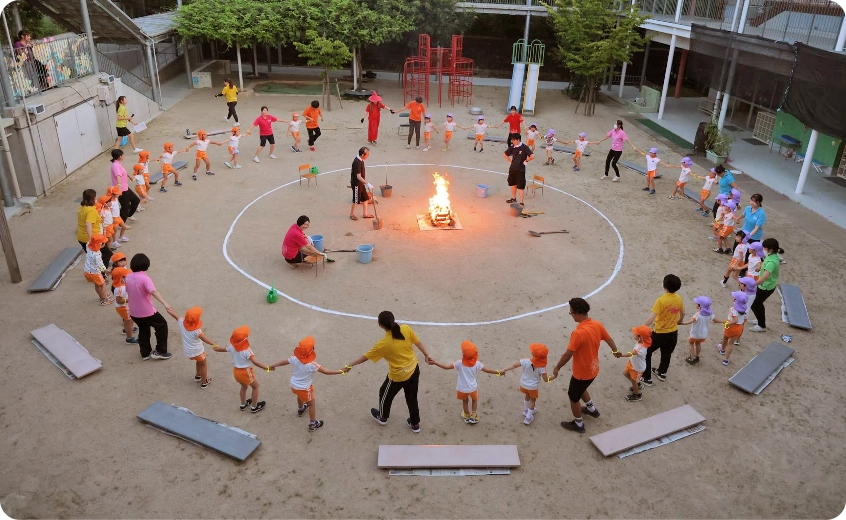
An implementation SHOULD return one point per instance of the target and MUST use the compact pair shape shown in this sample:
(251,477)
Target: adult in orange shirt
(584,351)
(311,115)
(667,313)
(416,109)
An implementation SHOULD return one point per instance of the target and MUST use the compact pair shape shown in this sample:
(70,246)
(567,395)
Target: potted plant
(717,144)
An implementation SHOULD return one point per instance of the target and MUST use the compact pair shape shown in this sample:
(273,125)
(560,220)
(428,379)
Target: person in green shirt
(767,282)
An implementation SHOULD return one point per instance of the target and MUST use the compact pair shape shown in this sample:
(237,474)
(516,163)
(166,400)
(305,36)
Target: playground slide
(516,86)
(531,88)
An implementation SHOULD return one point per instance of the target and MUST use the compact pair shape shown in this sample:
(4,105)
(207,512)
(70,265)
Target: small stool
(312,261)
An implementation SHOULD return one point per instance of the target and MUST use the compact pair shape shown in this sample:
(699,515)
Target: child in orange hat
(144,158)
(119,272)
(202,143)
(242,356)
(114,191)
(94,268)
(294,130)
(167,166)
(234,139)
(637,360)
(467,388)
(104,209)
(534,370)
(192,343)
(140,186)
(301,380)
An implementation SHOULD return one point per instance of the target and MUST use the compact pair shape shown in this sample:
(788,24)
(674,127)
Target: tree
(440,20)
(593,35)
(326,53)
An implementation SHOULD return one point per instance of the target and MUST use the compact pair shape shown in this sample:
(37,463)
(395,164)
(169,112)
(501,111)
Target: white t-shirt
(721,212)
(550,140)
(294,126)
(581,145)
(139,179)
(685,174)
(203,144)
(531,377)
(240,359)
(699,327)
(639,358)
(480,129)
(115,208)
(192,345)
(728,218)
(753,266)
(532,134)
(146,167)
(741,316)
(106,215)
(709,182)
(167,157)
(740,253)
(93,262)
(303,374)
(428,127)
(233,141)
(120,292)
(652,163)
(449,127)
(467,376)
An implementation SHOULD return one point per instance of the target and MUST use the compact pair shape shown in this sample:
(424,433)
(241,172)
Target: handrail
(47,64)
(128,78)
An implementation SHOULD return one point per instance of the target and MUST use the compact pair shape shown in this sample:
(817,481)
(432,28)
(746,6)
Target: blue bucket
(318,242)
(482,190)
(365,253)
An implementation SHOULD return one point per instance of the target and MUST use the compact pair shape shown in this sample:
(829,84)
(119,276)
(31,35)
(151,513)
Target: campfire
(440,212)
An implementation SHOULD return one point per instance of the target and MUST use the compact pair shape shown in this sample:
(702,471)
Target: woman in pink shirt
(296,245)
(618,137)
(129,201)
(141,291)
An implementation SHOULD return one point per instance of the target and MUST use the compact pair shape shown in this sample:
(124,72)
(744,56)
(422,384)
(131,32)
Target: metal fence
(47,64)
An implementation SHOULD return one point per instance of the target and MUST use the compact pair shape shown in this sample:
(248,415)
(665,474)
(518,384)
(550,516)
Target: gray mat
(636,168)
(199,430)
(753,141)
(759,368)
(54,273)
(501,139)
(794,303)
(156,177)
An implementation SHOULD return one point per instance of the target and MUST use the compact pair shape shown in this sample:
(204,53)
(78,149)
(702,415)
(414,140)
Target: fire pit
(440,214)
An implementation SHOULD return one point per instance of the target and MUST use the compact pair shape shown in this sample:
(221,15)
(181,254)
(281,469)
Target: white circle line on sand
(617,266)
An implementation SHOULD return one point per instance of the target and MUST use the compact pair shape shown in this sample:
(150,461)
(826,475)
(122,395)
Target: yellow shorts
(295,135)
(123,312)
(245,376)
(201,357)
(474,395)
(695,340)
(167,168)
(650,174)
(95,278)
(532,394)
(447,135)
(202,155)
(141,190)
(118,222)
(304,395)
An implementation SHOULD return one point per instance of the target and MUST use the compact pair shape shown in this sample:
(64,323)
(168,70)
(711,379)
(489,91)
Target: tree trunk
(354,70)
(590,101)
(327,94)
(579,102)
(255,60)
(240,68)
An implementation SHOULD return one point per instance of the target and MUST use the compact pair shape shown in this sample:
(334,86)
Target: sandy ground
(76,449)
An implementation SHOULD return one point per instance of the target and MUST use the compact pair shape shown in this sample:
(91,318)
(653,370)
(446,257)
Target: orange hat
(105,198)
(117,257)
(539,353)
(305,350)
(201,135)
(138,168)
(295,114)
(95,242)
(143,155)
(239,340)
(168,147)
(192,318)
(469,353)
(645,334)
(236,129)
(114,190)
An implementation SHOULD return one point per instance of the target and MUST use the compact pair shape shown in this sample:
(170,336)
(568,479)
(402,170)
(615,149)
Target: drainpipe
(809,160)
(8,93)
(7,151)
(151,67)
(841,37)
(86,25)
(667,77)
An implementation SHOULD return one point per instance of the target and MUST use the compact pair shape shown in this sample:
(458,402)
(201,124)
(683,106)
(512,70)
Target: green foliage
(243,22)
(357,22)
(33,20)
(324,52)
(717,141)
(440,20)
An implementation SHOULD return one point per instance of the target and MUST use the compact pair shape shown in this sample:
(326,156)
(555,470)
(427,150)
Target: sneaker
(316,425)
(197,378)
(228,164)
(696,360)
(301,411)
(408,147)
(651,192)
(690,360)
(417,147)
(123,239)
(644,189)
(445,149)
(209,173)
(256,159)
(481,150)
(194,176)
(704,213)
(375,414)
(634,397)
(226,120)
(466,417)
(132,218)
(114,245)
(243,406)
(594,413)
(237,124)
(272,156)
(645,382)
(311,148)
(753,321)
(137,150)
(639,385)
(661,377)
(238,166)
(712,237)
(145,358)
(474,419)
(726,362)
(258,407)
(206,384)
(131,341)
(425,150)
(603,177)
(294,149)
(161,355)
(177,183)
(162,190)
(577,169)
(757,328)
(723,283)
(615,179)
(414,427)
(720,349)
(298,150)
(528,419)
(573,427)
(510,201)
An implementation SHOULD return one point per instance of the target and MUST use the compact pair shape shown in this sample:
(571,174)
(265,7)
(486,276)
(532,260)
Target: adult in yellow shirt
(667,313)
(89,223)
(403,369)
(122,125)
(231,93)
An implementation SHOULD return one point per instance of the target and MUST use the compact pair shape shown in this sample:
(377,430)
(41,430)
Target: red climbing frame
(461,74)
(415,72)
(440,61)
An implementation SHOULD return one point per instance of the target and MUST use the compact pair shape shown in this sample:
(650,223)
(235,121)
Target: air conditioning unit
(107,79)
(104,94)
(35,109)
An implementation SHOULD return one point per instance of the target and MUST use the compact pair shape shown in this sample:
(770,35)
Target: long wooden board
(157,176)
(67,350)
(645,430)
(760,367)
(794,303)
(448,456)
(52,275)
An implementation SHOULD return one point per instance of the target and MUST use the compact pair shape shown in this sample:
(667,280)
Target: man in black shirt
(359,185)
(518,155)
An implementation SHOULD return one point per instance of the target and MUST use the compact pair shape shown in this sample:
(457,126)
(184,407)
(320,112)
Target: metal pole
(680,80)
(645,59)
(240,69)
(742,24)
(8,200)
(622,79)
(8,93)
(9,248)
(187,64)
(667,77)
(526,31)
(16,17)
(841,37)
(724,108)
(679,6)
(151,68)
(809,160)
(86,25)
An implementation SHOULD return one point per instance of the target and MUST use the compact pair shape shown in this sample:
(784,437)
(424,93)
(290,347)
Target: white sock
(525,406)
(590,406)
(530,413)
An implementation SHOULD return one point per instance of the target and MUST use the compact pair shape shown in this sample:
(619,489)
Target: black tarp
(817,93)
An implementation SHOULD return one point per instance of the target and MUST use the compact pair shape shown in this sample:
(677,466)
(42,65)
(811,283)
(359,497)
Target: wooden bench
(645,430)
(794,305)
(65,352)
(156,177)
(761,367)
(448,456)
(53,274)
(636,168)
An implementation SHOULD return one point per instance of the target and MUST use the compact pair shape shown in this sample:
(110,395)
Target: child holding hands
(581,146)
(699,327)
(733,324)
(467,389)
(534,370)
(192,343)
(652,162)
(202,143)
(449,126)
(301,380)
(637,360)
(242,356)
(428,127)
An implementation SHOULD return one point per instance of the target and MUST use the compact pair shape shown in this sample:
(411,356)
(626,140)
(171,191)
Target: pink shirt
(139,288)
(617,138)
(265,124)
(294,240)
(119,177)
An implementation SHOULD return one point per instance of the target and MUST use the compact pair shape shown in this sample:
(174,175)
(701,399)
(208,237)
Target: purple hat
(481,118)
(735,195)
(758,248)
(428,116)
(449,115)
(550,132)
(704,305)
(533,125)
(722,197)
(687,162)
(731,205)
(740,300)
(583,135)
(751,285)
(653,150)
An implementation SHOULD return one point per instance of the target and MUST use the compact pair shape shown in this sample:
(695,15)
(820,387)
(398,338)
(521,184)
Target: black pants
(232,113)
(105,252)
(758,306)
(129,202)
(390,389)
(157,322)
(611,161)
(414,127)
(313,134)
(666,343)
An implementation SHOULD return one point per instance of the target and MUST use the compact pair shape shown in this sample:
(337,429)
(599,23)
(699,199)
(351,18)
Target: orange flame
(439,206)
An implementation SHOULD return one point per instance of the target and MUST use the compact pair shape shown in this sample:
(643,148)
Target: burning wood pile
(440,211)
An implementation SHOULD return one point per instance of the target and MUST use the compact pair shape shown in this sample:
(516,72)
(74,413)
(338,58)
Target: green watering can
(272,294)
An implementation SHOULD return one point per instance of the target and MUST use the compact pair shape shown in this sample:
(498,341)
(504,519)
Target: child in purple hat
(532,135)
(737,258)
(722,198)
(753,263)
(427,132)
(726,228)
(733,324)
(684,176)
(705,192)
(699,327)
(652,162)
(735,196)
(449,126)
(581,146)
(750,286)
